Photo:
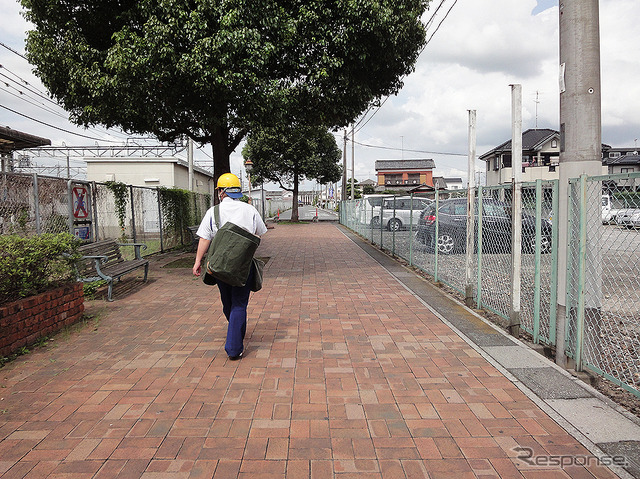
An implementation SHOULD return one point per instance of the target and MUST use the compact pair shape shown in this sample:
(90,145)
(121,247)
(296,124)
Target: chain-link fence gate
(603,277)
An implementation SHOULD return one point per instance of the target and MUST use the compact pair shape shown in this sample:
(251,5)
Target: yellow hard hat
(228,180)
(230,184)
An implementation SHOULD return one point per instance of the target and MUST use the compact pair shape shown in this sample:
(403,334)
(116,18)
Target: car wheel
(394,224)
(446,243)
(375,222)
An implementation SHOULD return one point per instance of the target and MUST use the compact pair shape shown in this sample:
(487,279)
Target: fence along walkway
(346,374)
(606,339)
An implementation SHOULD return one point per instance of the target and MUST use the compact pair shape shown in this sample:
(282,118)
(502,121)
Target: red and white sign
(80,206)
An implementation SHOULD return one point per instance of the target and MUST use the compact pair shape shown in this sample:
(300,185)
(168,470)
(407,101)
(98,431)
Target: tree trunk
(294,209)
(220,147)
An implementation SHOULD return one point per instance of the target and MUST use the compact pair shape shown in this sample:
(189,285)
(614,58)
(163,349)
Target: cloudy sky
(477,50)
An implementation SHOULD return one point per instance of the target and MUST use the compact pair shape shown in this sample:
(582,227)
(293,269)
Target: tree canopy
(289,155)
(214,69)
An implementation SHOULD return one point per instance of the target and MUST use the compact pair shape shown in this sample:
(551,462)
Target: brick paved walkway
(346,374)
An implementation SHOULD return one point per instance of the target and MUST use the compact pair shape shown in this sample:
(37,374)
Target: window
(614,154)
(554,143)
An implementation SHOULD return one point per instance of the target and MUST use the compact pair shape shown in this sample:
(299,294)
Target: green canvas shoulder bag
(230,254)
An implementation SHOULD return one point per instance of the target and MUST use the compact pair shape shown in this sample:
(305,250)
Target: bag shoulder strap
(216,214)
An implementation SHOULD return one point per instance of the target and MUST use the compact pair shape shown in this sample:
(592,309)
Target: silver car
(396,212)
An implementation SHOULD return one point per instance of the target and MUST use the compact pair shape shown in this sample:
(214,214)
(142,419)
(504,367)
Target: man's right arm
(203,246)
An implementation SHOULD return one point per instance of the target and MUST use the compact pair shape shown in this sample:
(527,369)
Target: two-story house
(540,158)
(402,175)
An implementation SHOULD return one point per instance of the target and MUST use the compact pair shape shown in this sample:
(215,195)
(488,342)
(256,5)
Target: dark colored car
(496,228)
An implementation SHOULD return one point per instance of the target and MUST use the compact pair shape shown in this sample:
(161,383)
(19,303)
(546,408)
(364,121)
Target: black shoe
(235,358)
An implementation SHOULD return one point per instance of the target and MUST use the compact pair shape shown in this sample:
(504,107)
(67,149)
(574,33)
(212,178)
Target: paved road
(307,213)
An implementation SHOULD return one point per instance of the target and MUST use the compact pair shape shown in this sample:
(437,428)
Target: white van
(368,209)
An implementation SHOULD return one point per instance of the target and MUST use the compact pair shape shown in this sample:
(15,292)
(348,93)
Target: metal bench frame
(111,266)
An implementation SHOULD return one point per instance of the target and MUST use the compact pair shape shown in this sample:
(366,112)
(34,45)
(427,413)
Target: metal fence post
(381,215)
(94,209)
(582,253)
(411,232)
(553,301)
(536,277)
(479,275)
(133,214)
(36,203)
(393,233)
(435,240)
(160,220)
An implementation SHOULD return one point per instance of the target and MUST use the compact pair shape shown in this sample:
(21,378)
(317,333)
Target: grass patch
(180,263)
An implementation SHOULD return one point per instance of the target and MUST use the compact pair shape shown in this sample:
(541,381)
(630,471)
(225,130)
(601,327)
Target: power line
(25,84)
(12,50)
(32,101)
(411,151)
(424,46)
(57,127)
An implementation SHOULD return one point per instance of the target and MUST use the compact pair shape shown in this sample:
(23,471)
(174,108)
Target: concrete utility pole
(344,167)
(190,161)
(353,171)
(516,208)
(580,139)
(471,205)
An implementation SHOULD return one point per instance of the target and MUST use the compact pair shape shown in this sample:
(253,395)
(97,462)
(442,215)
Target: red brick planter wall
(25,321)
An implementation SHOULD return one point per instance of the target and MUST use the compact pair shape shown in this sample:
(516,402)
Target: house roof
(623,160)
(413,164)
(11,140)
(367,182)
(423,188)
(532,139)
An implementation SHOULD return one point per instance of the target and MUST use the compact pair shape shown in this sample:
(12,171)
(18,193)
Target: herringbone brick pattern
(346,374)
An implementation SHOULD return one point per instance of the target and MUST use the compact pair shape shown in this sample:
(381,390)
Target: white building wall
(149,172)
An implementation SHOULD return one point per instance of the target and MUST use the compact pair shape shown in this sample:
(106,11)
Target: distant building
(151,172)
(367,182)
(540,158)
(402,175)
(622,160)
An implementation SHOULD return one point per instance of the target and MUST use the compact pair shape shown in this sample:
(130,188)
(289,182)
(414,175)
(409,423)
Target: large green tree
(288,155)
(211,69)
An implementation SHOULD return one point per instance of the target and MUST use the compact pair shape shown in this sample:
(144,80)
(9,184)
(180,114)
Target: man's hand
(197,268)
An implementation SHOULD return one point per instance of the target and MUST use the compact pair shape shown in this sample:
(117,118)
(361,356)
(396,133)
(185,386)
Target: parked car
(368,208)
(401,206)
(629,218)
(496,228)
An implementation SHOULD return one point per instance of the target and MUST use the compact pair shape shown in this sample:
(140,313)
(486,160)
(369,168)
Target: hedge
(36,264)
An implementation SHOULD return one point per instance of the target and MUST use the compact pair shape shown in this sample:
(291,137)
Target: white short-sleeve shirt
(233,211)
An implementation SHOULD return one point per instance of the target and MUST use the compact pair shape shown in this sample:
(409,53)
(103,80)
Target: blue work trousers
(234,306)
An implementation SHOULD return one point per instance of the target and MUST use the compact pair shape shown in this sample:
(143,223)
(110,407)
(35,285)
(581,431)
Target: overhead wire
(429,22)
(411,151)
(30,87)
(57,127)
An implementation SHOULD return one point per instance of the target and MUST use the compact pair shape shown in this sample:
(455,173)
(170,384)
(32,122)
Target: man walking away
(234,298)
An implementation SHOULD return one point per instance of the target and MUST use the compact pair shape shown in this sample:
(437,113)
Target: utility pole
(516,208)
(190,161)
(580,145)
(344,167)
(471,204)
(353,171)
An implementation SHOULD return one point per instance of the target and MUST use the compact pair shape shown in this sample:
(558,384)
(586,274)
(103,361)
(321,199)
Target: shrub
(36,264)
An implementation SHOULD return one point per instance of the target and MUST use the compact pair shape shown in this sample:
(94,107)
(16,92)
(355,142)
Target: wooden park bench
(103,258)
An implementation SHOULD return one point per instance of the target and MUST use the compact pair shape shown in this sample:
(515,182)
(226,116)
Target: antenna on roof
(536,101)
